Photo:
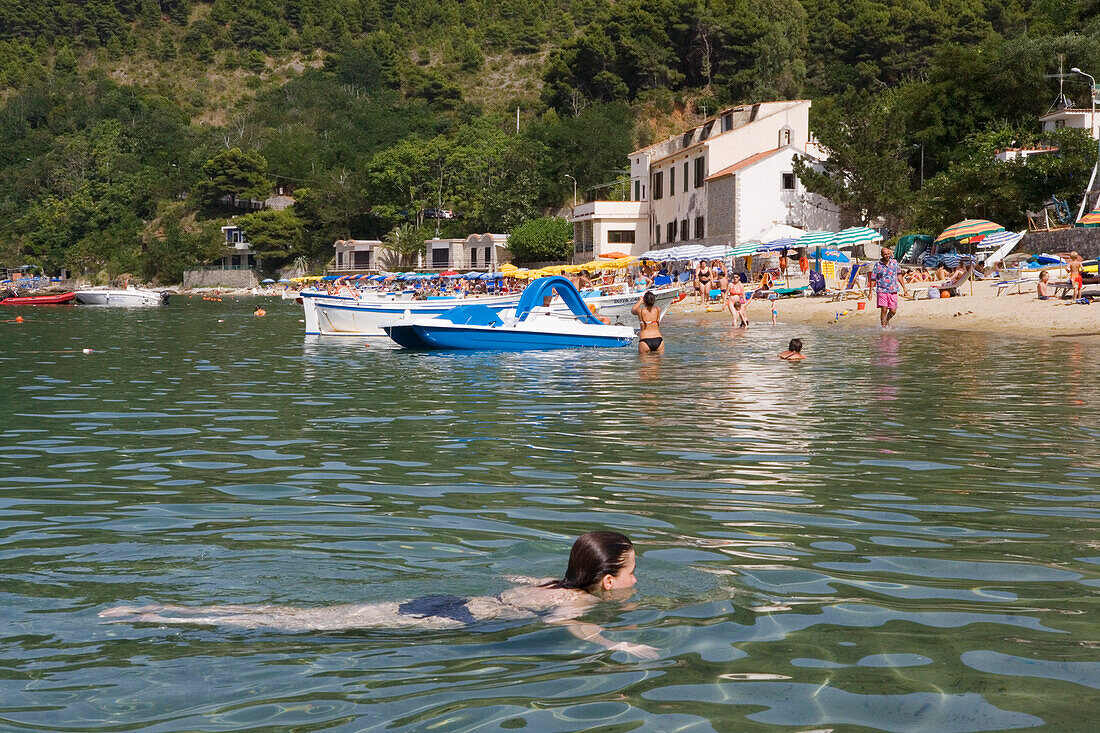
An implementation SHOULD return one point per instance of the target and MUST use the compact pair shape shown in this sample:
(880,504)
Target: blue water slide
(534,293)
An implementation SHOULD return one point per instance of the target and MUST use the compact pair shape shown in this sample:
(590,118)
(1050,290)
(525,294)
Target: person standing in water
(649,316)
(601,567)
(884,279)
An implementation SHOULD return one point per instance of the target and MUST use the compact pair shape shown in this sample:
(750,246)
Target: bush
(542,240)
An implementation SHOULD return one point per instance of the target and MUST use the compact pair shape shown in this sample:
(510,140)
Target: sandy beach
(1015,314)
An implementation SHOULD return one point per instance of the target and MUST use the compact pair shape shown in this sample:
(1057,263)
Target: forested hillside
(126,122)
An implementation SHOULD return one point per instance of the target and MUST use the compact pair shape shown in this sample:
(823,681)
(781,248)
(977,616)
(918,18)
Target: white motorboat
(121,296)
(616,306)
(340,315)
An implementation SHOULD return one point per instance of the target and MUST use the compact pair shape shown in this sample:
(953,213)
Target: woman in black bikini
(601,566)
(703,274)
(649,315)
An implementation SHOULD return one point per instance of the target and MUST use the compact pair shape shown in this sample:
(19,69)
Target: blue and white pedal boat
(529,327)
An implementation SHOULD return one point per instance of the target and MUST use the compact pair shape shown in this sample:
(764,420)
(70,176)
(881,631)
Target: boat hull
(439,336)
(350,317)
(133,297)
(56,299)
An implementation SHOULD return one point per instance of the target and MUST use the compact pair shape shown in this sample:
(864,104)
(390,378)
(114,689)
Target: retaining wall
(1085,242)
(220,279)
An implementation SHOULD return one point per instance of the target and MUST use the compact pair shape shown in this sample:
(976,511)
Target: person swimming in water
(649,316)
(601,566)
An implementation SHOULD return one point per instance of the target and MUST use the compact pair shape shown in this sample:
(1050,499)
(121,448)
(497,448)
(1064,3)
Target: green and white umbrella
(815,239)
(853,236)
(743,250)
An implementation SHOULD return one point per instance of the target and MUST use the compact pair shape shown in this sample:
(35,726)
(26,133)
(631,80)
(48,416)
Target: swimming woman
(601,566)
(649,316)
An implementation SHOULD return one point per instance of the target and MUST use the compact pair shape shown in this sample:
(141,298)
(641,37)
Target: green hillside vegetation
(125,122)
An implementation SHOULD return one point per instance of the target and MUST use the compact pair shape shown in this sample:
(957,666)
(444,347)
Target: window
(1059,124)
(637,190)
(620,236)
(339,260)
(473,257)
(699,172)
(698,227)
(658,184)
(441,257)
(727,123)
(685,176)
(788,181)
(672,179)
(361,259)
(684,231)
(656,232)
(643,194)
(784,136)
(488,255)
(671,228)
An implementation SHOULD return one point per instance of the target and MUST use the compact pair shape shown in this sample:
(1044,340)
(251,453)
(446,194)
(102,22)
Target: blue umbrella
(330,278)
(832,255)
(268,281)
(284,280)
(777,245)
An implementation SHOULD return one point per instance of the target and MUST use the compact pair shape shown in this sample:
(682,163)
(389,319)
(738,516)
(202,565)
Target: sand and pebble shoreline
(1016,314)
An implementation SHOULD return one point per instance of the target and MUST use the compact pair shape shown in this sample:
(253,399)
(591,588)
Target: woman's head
(795,345)
(599,561)
(1044,275)
(649,299)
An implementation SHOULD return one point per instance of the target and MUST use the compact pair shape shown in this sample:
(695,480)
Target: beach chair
(788,292)
(849,289)
(661,280)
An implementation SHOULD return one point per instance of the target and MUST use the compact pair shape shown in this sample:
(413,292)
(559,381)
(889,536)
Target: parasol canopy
(815,239)
(968,229)
(1091,219)
(852,236)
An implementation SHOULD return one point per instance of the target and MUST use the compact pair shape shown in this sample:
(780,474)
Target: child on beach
(601,566)
(775,308)
(736,304)
(1075,279)
(1044,285)
(793,352)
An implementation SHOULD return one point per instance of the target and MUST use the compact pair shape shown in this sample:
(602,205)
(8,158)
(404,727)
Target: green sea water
(898,534)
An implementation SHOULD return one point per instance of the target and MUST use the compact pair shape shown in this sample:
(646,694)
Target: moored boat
(121,296)
(49,299)
(530,327)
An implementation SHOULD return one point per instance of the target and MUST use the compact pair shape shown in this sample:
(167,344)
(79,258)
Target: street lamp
(1092,97)
(574,189)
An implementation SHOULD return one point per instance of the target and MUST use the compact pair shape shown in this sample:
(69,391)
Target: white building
(239,254)
(476,252)
(723,182)
(1082,119)
(1021,154)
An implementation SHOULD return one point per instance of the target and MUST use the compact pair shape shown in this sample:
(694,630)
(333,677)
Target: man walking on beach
(884,279)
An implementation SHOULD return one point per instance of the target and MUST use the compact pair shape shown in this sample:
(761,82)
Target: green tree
(274,234)
(406,241)
(866,173)
(541,240)
(236,174)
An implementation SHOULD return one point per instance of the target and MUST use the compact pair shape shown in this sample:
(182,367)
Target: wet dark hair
(649,299)
(795,345)
(594,555)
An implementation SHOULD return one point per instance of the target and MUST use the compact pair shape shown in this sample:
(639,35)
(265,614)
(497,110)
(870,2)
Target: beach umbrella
(1091,219)
(852,236)
(779,245)
(832,255)
(744,250)
(613,255)
(448,273)
(780,231)
(268,281)
(815,239)
(968,229)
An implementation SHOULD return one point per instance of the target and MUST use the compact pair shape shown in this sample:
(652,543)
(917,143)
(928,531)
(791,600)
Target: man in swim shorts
(884,278)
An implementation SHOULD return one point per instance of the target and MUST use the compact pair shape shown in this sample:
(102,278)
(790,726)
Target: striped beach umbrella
(1091,219)
(777,245)
(964,231)
(815,239)
(852,236)
(743,250)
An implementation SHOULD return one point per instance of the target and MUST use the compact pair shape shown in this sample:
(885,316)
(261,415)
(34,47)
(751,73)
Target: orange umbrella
(613,255)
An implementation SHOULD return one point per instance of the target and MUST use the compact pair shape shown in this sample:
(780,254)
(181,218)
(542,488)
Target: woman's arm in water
(592,632)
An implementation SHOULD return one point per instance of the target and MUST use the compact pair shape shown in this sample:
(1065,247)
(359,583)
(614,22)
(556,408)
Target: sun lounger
(787,292)
(849,289)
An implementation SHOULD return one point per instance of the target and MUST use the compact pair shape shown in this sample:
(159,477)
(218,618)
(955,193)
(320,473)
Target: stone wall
(220,279)
(721,209)
(1085,242)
